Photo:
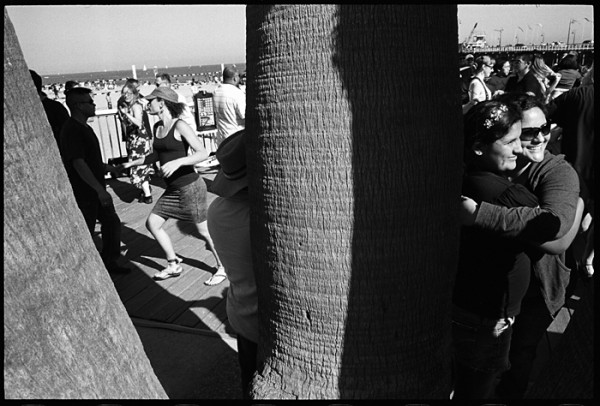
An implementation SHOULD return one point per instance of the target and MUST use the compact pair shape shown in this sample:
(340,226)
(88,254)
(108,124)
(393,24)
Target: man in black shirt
(81,154)
(524,81)
(57,113)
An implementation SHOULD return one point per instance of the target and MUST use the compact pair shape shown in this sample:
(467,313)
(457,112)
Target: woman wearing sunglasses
(555,222)
(478,90)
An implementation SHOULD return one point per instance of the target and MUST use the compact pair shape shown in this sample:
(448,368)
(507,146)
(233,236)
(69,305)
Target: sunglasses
(527,134)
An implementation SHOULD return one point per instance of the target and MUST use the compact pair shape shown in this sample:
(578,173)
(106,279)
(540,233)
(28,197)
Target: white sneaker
(171,271)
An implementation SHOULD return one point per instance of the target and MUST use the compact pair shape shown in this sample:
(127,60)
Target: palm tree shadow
(194,263)
(134,239)
(148,262)
(384,205)
(197,264)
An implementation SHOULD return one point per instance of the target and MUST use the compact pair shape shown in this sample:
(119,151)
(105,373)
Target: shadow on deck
(181,322)
(183,302)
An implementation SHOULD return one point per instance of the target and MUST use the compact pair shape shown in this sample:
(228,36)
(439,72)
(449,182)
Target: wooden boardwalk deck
(183,301)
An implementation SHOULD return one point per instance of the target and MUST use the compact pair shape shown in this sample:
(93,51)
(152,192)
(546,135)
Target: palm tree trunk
(66,333)
(354,151)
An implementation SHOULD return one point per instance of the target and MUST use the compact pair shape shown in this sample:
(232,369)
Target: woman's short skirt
(186,203)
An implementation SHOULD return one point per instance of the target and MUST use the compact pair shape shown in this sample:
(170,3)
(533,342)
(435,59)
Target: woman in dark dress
(138,139)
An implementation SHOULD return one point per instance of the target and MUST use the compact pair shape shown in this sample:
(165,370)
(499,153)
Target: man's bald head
(231,75)
(79,100)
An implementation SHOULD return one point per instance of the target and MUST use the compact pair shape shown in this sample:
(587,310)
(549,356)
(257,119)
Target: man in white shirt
(164,80)
(229,103)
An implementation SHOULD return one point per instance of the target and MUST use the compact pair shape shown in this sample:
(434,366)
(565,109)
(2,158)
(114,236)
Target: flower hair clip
(494,116)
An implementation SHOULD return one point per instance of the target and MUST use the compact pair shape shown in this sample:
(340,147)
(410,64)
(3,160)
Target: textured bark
(66,333)
(354,155)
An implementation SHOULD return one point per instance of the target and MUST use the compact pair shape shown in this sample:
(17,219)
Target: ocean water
(178,73)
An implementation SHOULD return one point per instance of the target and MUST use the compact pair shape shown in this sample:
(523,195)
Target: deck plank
(183,300)
(200,311)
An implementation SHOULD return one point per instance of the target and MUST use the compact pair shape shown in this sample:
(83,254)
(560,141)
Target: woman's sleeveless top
(488,92)
(169,149)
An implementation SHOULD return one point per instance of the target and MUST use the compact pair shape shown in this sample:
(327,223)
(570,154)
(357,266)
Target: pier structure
(551,53)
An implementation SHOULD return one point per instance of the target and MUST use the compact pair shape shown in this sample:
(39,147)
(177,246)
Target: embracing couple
(520,211)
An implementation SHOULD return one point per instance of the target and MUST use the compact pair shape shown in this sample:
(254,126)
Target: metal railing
(526,48)
(107,127)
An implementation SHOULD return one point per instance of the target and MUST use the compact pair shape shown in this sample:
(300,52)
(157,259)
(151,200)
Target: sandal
(172,270)
(217,278)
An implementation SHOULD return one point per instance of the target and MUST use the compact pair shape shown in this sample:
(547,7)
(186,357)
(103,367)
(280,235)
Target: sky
(74,39)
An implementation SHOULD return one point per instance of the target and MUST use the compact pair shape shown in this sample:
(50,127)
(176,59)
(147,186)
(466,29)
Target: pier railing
(525,48)
(107,127)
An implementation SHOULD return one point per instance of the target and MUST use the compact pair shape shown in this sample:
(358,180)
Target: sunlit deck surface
(185,301)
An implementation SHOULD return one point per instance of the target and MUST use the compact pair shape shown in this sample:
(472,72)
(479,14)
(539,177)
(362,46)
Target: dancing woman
(185,195)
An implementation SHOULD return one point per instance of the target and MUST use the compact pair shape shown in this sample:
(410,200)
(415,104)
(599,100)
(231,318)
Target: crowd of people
(527,214)
(170,149)
(57,91)
(526,206)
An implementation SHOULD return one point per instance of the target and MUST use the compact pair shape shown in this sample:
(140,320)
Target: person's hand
(169,168)
(105,198)
(498,93)
(585,223)
(467,211)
